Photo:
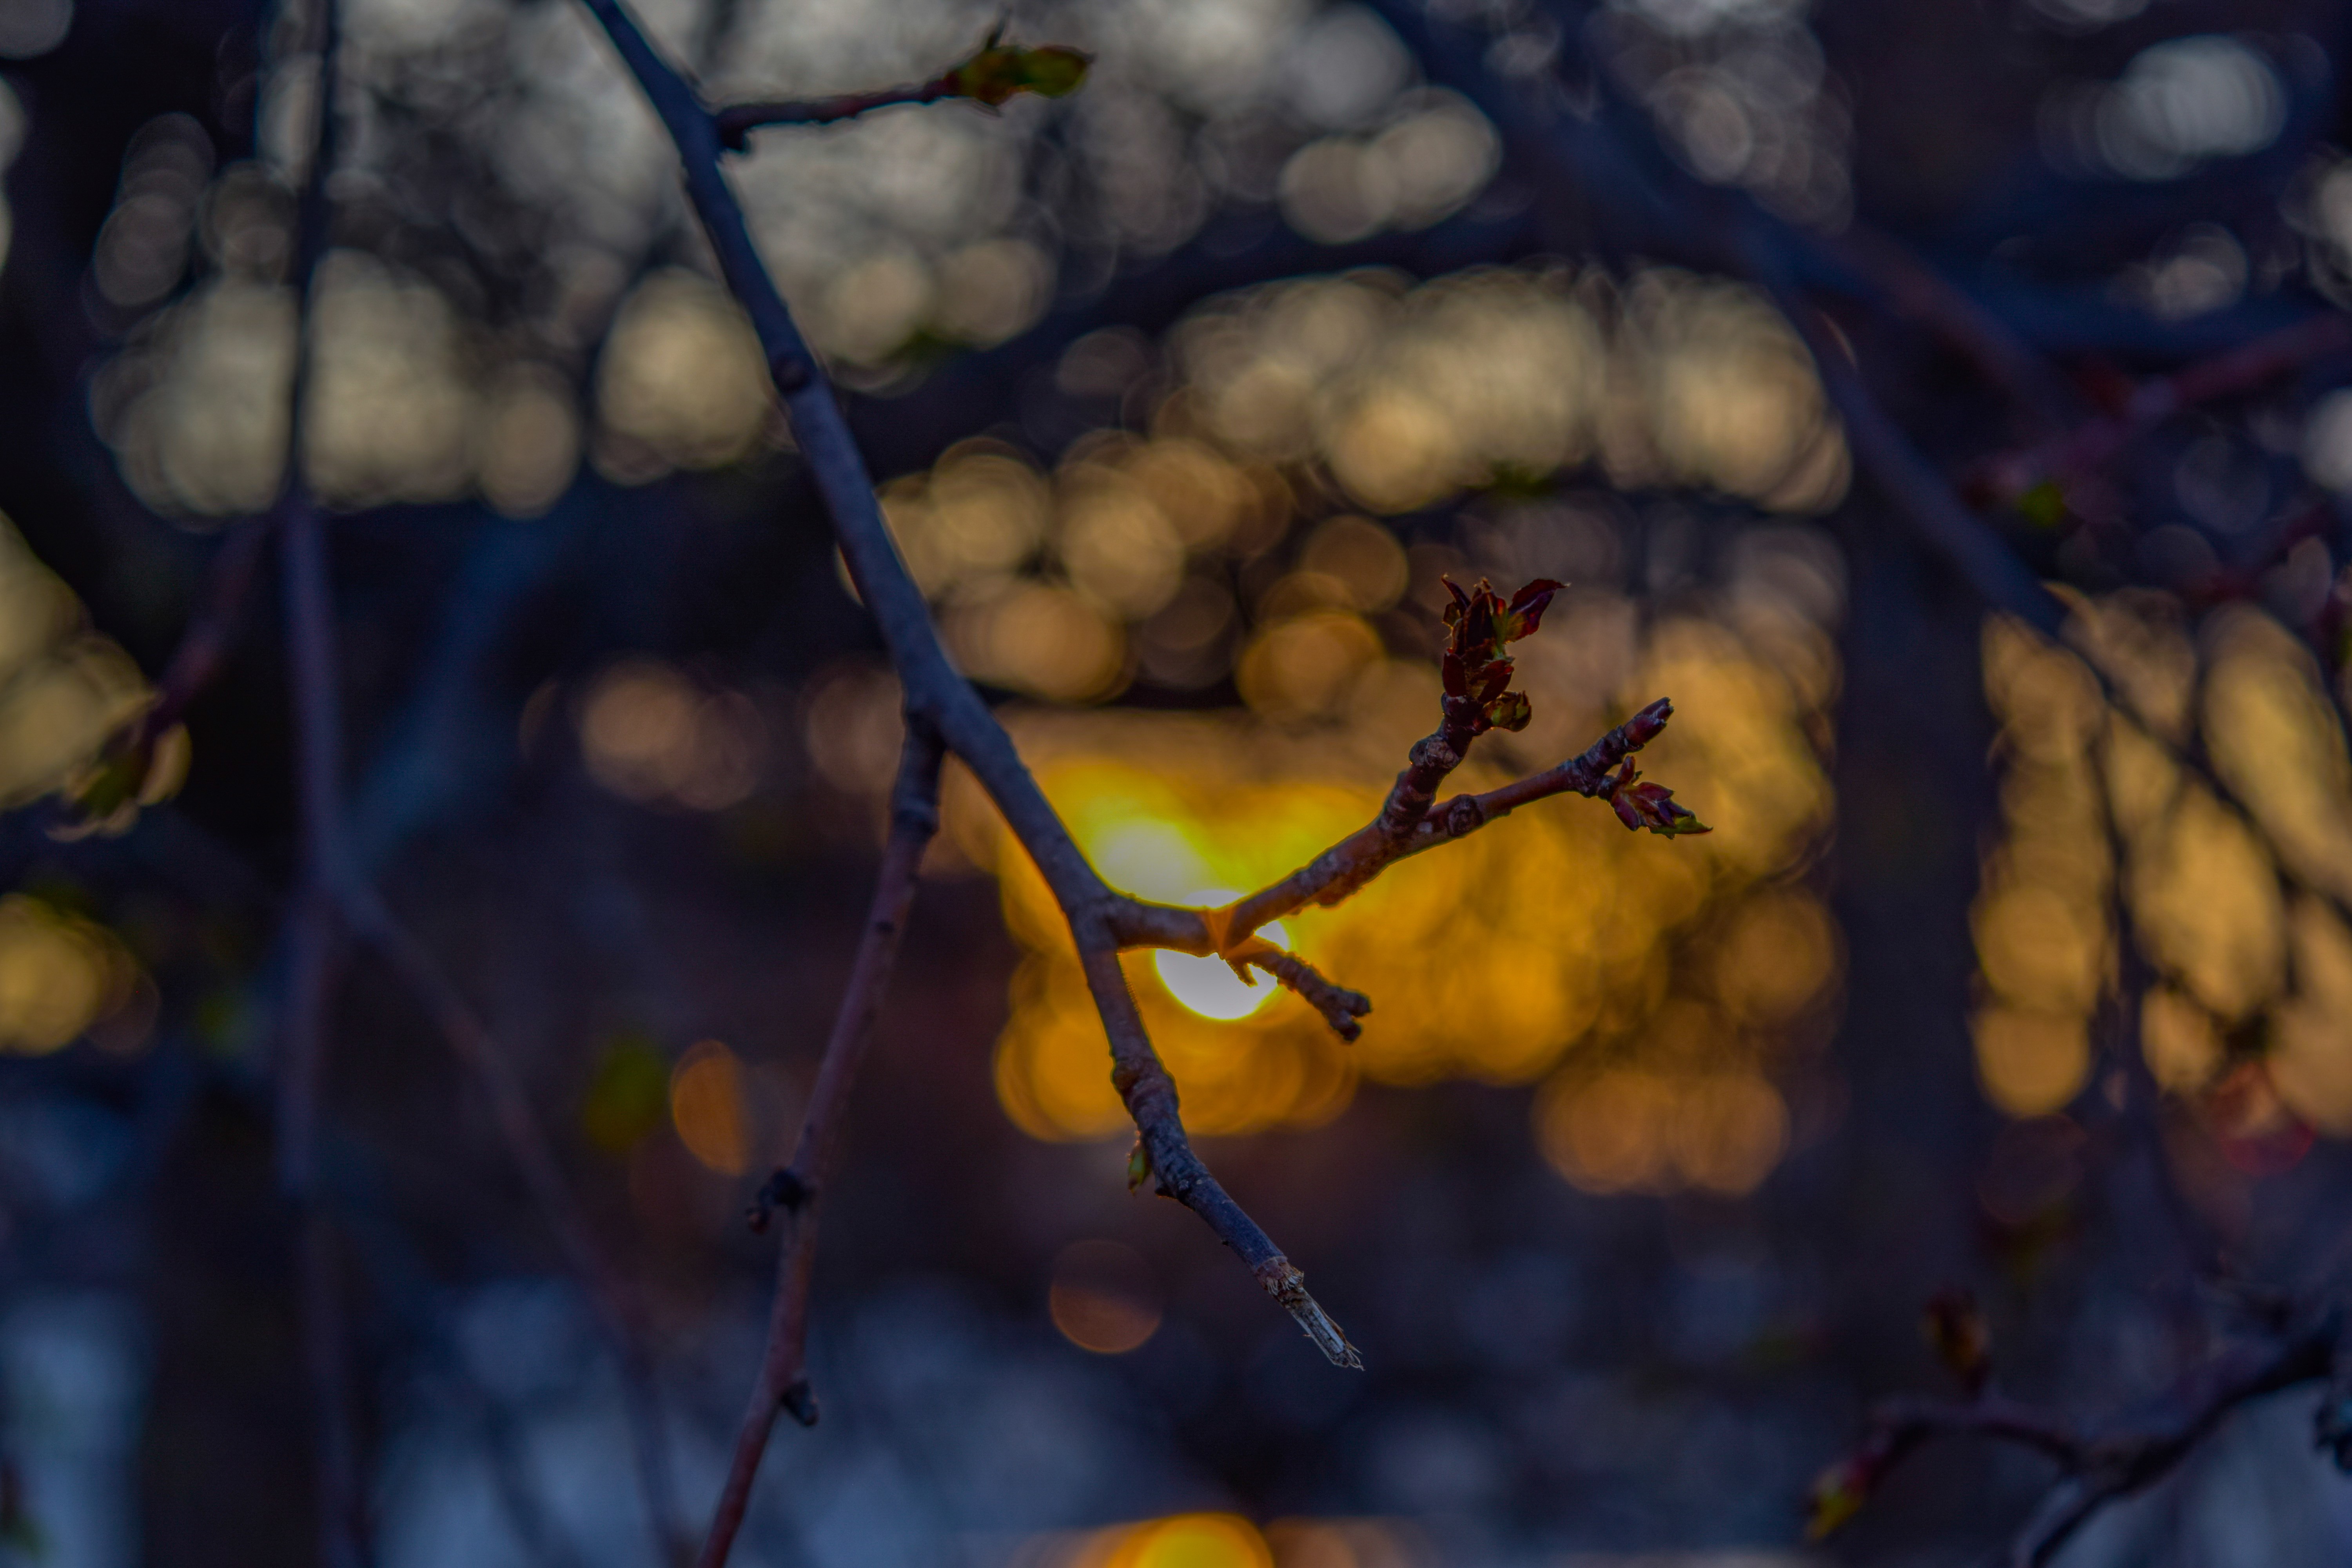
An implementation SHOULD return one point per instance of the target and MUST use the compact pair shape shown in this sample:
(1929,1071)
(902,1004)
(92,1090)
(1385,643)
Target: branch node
(784,1190)
(800,1399)
(790,371)
(1432,752)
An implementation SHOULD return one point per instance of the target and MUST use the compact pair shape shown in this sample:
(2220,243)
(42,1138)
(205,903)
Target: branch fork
(945,714)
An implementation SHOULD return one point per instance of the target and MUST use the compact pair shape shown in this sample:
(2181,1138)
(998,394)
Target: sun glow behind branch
(1207,984)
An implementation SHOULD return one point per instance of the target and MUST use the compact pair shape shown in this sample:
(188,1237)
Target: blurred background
(2012,963)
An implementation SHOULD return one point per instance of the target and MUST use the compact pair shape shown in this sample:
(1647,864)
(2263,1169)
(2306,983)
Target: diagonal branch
(1151,1097)
(1356,859)
(799,1189)
(1340,1007)
(936,694)
(204,643)
(618,1312)
(314,939)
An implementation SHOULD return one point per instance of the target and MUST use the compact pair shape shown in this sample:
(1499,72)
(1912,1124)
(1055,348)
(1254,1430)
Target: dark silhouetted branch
(2099,1467)
(1151,1098)
(738,120)
(534,1159)
(2243,369)
(314,938)
(799,1189)
(941,701)
(205,642)
(335,895)
(936,694)
(990,77)
(1910,287)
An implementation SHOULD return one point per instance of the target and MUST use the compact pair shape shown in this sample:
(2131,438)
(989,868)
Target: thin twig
(1340,1007)
(615,1304)
(211,631)
(2098,1469)
(1349,865)
(1149,1094)
(799,1189)
(335,889)
(1356,859)
(737,120)
(314,941)
(313,937)
(2078,453)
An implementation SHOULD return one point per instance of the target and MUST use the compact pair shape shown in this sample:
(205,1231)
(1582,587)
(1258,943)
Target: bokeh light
(2242,962)
(1185,1541)
(59,974)
(681,382)
(648,733)
(1103,1299)
(63,691)
(709,1105)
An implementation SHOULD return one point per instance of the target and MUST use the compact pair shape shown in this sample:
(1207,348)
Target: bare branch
(2098,1469)
(1151,1097)
(1356,859)
(314,941)
(1340,1007)
(738,120)
(990,77)
(1477,699)
(618,1310)
(936,694)
(211,631)
(1917,290)
(2243,369)
(800,1188)
(1919,492)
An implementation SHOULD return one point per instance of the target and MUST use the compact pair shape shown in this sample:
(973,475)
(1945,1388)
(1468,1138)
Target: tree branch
(990,77)
(334,890)
(211,630)
(1151,1097)
(1349,865)
(2100,1468)
(2009,475)
(737,120)
(615,1304)
(314,941)
(1340,1007)
(799,1188)
(936,694)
